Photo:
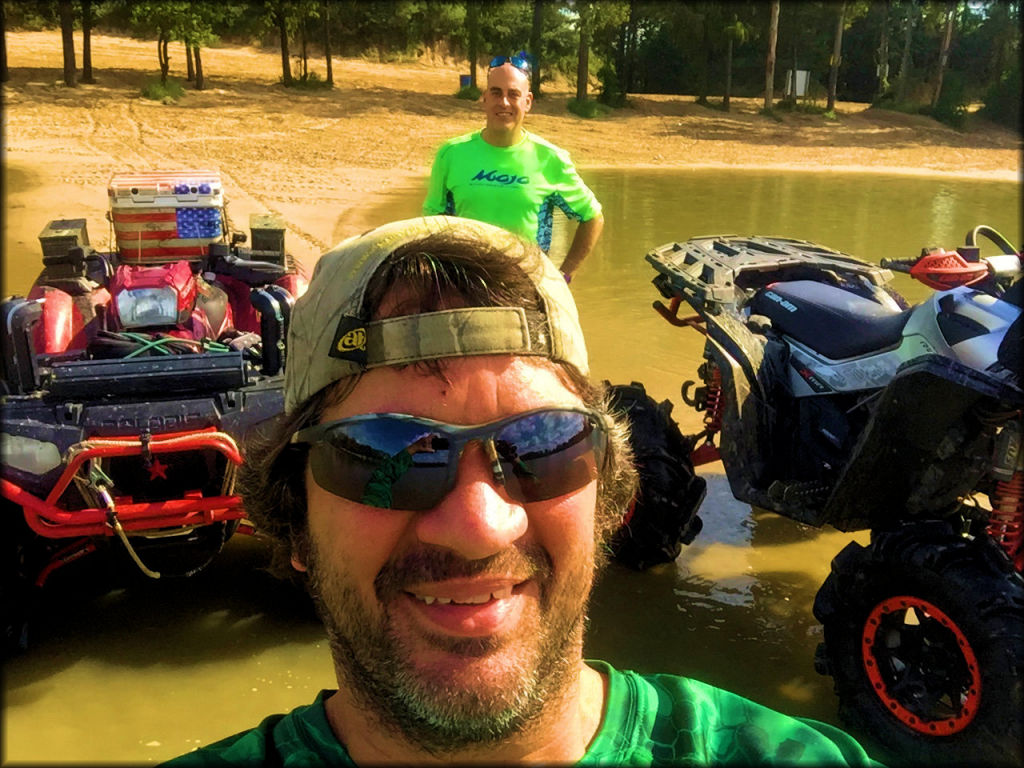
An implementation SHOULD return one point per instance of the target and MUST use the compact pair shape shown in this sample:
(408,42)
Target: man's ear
(529,101)
(300,552)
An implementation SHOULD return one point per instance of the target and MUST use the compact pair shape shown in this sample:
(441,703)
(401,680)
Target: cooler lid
(176,189)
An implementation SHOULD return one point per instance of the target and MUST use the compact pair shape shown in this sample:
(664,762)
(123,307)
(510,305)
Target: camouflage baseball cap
(329,339)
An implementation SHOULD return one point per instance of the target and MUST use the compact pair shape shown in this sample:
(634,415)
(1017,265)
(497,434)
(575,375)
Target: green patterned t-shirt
(672,720)
(649,720)
(516,188)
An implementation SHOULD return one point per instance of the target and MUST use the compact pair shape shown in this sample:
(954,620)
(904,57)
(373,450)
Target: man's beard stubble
(433,714)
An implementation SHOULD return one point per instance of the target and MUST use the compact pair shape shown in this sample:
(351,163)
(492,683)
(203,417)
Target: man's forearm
(583,242)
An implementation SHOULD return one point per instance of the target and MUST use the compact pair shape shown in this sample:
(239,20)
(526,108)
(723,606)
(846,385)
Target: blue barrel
(464,81)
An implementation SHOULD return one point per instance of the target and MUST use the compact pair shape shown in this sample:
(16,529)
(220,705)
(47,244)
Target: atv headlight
(147,306)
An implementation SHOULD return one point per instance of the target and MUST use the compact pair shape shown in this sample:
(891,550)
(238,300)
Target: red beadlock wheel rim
(921,665)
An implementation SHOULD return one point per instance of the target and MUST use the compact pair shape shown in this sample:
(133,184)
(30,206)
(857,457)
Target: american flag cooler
(166,215)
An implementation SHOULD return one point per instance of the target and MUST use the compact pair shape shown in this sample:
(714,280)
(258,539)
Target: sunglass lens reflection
(548,454)
(402,464)
(383,463)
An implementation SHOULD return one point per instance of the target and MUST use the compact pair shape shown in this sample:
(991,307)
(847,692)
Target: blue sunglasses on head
(398,461)
(520,61)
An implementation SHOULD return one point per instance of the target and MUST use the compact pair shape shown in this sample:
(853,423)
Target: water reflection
(147,670)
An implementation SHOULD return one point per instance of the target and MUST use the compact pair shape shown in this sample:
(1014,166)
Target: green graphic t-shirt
(517,187)
(649,720)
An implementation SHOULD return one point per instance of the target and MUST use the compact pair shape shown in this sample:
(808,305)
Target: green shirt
(377,492)
(649,720)
(515,187)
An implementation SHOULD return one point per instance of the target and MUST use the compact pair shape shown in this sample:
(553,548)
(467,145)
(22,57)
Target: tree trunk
(305,56)
(903,79)
(1000,13)
(728,74)
(619,51)
(190,70)
(286,63)
(583,62)
(769,66)
(790,94)
(5,75)
(164,57)
(536,28)
(473,27)
(87,43)
(629,50)
(200,82)
(947,39)
(67,37)
(327,43)
(703,87)
(837,57)
(883,53)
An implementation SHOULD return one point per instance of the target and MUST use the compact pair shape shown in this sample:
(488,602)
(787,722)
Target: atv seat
(833,322)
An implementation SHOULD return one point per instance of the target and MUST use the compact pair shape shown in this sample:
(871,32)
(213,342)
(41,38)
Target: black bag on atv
(663,516)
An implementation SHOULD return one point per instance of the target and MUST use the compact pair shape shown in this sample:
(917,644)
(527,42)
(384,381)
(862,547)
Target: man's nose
(475,520)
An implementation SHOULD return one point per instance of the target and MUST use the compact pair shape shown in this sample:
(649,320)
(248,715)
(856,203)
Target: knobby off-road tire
(924,639)
(664,514)
(18,595)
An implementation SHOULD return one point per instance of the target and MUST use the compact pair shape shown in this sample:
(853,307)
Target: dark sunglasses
(398,461)
(520,61)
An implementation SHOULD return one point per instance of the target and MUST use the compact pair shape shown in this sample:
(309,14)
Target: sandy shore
(326,159)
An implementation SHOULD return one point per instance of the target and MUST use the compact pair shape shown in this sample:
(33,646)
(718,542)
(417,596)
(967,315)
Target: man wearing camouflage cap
(444,477)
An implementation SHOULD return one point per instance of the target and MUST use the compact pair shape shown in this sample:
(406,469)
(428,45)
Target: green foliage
(311,81)
(30,16)
(906,107)
(951,108)
(396,28)
(588,108)
(804,107)
(636,46)
(505,27)
(612,92)
(167,92)
(192,23)
(1002,101)
(559,43)
(468,92)
(158,17)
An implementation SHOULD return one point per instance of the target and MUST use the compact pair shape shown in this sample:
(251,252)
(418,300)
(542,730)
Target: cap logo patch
(353,340)
(350,340)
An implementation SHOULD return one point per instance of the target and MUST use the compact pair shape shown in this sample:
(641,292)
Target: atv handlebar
(941,269)
(899,265)
(223,262)
(966,261)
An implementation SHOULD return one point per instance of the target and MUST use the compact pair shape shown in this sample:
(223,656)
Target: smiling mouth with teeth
(469,600)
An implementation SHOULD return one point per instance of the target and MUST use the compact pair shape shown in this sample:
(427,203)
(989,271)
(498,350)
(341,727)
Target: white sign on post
(802,77)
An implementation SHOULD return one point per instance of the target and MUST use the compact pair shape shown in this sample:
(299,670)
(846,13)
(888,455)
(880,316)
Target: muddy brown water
(132,670)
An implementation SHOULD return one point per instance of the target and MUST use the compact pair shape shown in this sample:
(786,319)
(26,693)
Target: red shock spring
(707,452)
(715,402)
(1006,524)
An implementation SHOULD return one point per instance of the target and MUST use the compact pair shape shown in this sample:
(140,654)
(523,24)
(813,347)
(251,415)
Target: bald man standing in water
(505,175)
